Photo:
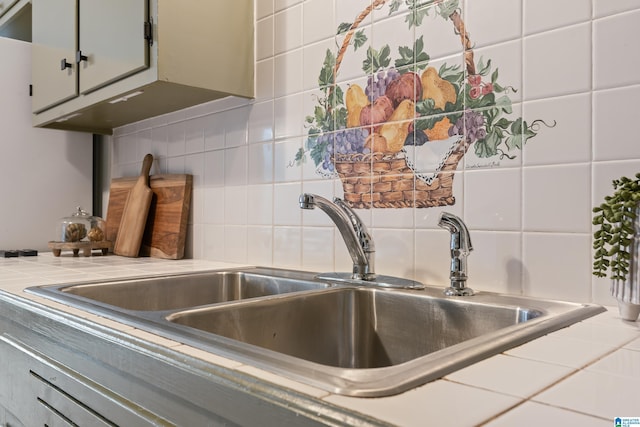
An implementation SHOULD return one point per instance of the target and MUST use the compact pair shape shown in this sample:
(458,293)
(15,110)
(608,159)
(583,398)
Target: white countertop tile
(511,375)
(562,351)
(531,414)
(592,393)
(623,362)
(633,345)
(440,403)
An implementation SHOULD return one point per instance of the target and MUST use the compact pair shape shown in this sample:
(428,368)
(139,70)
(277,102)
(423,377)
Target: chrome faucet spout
(460,248)
(354,233)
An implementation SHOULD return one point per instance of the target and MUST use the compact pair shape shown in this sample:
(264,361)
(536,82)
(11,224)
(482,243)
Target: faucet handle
(366,241)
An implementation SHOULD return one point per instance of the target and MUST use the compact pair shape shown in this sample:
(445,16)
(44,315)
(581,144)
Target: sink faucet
(355,234)
(460,249)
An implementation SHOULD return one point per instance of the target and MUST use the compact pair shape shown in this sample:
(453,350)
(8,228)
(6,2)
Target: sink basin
(344,338)
(185,290)
(355,328)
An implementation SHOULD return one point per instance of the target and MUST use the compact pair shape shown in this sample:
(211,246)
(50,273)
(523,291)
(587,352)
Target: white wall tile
(607,7)
(480,19)
(235,166)
(557,62)
(194,135)
(616,58)
(288,29)
(235,243)
(260,163)
(235,205)
(288,73)
(260,204)
(287,247)
(236,126)
(286,210)
(288,116)
(557,198)
(284,153)
(544,15)
(394,252)
(433,257)
(493,199)
(317,248)
(614,108)
(318,20)
(264,8)
(264,38)
(557,266)
(261,122)
(264,79)
(495,264)
(569,138)
(260,245)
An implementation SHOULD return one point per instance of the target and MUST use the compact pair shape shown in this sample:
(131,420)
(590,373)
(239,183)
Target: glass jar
(81,226)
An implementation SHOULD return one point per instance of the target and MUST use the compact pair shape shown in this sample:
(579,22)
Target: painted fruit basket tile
(396,140)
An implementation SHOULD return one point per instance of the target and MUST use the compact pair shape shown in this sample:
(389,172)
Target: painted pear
(395,131)
(356,100)
(437,88)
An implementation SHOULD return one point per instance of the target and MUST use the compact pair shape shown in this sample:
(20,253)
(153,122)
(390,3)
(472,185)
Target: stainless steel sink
(186,290)
(355,328)
(352,340)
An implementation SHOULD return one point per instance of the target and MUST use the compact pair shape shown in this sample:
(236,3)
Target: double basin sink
(347,339)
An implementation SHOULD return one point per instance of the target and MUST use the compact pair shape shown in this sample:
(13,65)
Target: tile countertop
(586,374)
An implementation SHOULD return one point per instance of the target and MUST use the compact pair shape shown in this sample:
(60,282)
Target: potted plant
(616,244)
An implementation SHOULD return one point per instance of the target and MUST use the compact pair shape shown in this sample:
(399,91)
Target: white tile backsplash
(288,29)
(557,198)
(545,15)
(616,57)
(480,15)
(613,108)
(569,69)
(557,62)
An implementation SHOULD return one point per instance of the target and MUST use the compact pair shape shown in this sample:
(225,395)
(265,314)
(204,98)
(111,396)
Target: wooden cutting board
(166,227)
(134,214)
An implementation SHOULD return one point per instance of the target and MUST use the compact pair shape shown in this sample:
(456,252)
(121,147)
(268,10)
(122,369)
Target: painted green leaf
(394,6)
(447,8)
(488,147)
(376,60)
(359,39)
(326,73)
(344,27)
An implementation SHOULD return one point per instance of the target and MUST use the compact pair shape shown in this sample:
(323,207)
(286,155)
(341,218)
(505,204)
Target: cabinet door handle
(64,64)
(80,57)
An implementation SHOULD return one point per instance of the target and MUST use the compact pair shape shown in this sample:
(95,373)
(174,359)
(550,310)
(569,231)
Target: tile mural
(396,137)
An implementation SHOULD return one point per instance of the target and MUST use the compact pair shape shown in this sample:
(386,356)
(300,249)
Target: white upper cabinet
(98,64)
(112,41)
(53,67)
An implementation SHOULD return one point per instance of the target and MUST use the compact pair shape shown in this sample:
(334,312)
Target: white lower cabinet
(42,392)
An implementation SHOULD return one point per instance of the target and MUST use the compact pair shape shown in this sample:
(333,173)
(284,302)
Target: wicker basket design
(379,180)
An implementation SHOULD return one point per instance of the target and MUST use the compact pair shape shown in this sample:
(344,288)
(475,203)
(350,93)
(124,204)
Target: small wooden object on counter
(166,228)
(134,215)
(87,247)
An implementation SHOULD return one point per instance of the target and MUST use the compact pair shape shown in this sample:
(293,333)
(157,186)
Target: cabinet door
(112,40)
(53,68)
